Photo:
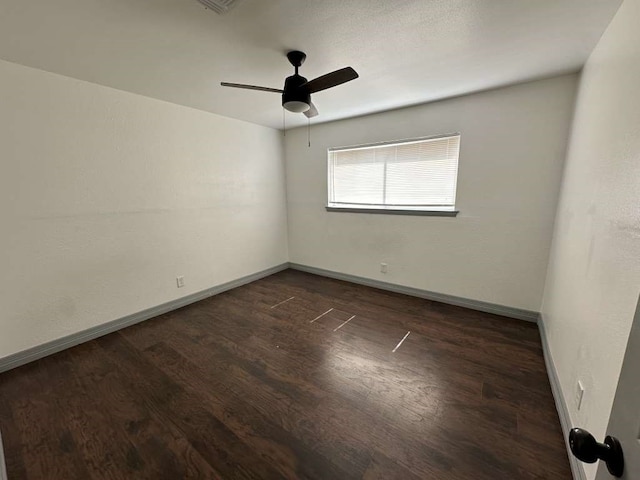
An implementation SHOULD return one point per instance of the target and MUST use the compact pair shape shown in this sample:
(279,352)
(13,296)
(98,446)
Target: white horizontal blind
(416,174)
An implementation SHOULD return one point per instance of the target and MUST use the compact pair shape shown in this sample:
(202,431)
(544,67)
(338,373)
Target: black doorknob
(585,448)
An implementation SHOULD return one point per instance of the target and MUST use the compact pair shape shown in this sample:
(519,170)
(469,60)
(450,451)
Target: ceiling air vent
(219,6)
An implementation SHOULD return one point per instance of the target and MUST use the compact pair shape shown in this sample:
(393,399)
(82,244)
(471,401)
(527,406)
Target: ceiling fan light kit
(297,106)
(296,95)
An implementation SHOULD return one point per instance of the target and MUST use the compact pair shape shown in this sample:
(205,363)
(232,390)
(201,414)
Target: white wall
(496,250)
(107,196)
(594,272)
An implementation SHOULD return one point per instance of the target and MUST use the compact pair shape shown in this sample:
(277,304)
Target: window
(409,176)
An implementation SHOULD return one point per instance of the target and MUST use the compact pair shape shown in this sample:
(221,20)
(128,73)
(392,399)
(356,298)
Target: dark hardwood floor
(245,385)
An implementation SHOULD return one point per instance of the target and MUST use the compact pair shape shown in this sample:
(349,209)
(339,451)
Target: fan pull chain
(284,130)
(309,131)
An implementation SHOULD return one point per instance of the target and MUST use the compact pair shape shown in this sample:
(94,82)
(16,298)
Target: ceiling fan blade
(312,112)
(251,87)
(332,79)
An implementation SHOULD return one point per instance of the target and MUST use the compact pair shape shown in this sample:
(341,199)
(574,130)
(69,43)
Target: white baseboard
(481,306)
(54,346)
(577,469)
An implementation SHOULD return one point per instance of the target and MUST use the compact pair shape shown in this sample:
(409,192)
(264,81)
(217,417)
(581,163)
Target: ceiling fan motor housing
(296,96)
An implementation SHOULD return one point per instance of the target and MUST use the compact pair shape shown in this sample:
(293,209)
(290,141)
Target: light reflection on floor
(380,385)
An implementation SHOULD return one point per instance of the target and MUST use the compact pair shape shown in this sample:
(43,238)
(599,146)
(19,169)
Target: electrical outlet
(180,282)
(579,394)
(383,267)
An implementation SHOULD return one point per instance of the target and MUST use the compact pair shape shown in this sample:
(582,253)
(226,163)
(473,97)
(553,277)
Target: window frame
(392,209)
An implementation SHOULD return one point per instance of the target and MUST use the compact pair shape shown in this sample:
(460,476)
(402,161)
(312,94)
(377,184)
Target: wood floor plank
(363,420)
(225,451)
(383,468)
(292,456)
(48,449)
(158,442)
(331,415)
(243,385)
(105,446)
(12,431)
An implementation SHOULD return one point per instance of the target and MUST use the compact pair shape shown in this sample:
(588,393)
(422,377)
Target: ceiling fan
(296,96)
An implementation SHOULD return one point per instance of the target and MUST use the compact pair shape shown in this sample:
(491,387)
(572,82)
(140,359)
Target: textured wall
(106,197)
(512,150)
(594,272)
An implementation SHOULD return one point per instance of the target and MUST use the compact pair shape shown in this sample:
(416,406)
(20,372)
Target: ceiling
(406,51)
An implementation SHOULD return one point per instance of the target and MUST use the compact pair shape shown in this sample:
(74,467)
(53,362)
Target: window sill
(388,211)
